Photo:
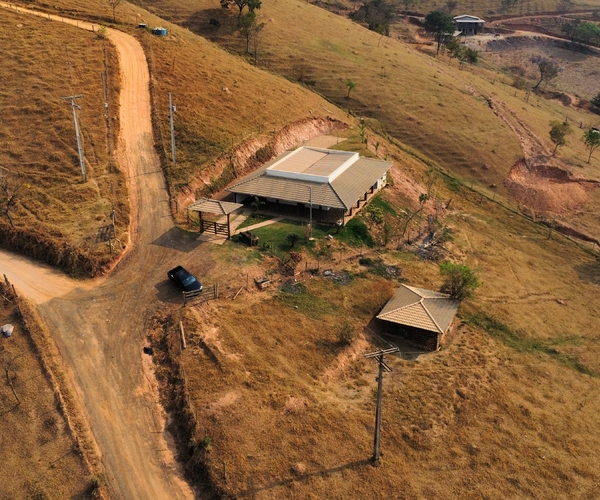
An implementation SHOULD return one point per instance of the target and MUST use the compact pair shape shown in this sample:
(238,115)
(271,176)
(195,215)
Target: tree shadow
(175,239)
(285,482)
(212,23)
(589,272)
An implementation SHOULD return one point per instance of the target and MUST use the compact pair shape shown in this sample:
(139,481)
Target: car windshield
(188,280)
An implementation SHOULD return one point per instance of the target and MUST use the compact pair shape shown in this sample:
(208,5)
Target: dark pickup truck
(184,280)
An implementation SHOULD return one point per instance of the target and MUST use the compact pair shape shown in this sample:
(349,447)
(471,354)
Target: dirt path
(99,326)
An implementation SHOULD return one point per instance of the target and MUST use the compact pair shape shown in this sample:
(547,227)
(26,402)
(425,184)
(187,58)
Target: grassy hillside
(275,406)
(36,438)
(39,150)
(504,410)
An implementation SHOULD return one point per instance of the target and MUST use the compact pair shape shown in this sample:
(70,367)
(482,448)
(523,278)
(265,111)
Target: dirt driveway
(99,326)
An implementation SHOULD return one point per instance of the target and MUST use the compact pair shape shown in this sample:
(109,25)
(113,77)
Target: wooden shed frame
(215,207)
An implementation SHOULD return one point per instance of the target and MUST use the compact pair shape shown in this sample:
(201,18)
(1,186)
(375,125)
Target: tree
(454,49)
(10,186)
(249,28)
(558,133)
(256,204)
(596,100)
(460,282)
(114,4)
(509,4)
(351,84)
(591,139)
(548,69)
(564,6)
(241,4)
(382,29)
(407,4)
(375,13)
(451,5)
(441,24)
(471,56)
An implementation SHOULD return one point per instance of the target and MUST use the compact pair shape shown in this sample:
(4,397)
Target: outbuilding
(423,317)
(325,185)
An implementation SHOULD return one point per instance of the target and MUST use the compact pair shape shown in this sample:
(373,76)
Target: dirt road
(99,326)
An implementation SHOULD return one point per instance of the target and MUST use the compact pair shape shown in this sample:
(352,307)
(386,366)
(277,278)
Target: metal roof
(342,191)
(214,206)
(468,19)
(420,308)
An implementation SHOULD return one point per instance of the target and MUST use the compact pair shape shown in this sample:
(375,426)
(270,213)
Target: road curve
(99,326)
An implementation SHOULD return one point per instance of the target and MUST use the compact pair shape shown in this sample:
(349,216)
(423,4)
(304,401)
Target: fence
(204,295)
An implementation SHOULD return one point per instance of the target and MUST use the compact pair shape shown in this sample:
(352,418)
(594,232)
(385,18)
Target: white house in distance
(468,25)
(327,184)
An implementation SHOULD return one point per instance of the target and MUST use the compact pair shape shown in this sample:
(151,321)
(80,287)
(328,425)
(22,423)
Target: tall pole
(376,452)
(173,152)
(310,212)
(379,355)
(77,135)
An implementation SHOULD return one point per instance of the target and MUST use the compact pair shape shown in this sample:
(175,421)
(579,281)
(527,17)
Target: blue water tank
(159,31)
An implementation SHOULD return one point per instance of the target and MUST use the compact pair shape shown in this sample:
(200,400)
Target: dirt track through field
(99,326)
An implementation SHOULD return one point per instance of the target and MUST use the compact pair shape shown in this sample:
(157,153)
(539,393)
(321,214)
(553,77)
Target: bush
(359,230)
(346,334)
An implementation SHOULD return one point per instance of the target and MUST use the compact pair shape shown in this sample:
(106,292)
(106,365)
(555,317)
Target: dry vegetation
(279,407)
(56,215)
(40,455)
(274,406)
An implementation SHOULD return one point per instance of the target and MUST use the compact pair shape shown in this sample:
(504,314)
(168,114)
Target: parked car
(184,279)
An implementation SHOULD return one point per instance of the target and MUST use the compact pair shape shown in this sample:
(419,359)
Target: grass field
(36,444)
(505,409)
(44,62)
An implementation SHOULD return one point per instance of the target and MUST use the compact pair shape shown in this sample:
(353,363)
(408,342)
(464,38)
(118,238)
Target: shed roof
(350,176)
(468,19)
(420,308)
(214,206)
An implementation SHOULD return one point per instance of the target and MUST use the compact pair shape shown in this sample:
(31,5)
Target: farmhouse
(421,316)
(468,25)
(325,185)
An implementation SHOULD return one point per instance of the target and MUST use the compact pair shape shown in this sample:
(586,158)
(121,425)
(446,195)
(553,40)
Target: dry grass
(36,444)
(289,411)
(38,138)
(505,409)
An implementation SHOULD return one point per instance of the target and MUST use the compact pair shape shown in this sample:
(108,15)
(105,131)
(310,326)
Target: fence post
(184,298)
(216,290)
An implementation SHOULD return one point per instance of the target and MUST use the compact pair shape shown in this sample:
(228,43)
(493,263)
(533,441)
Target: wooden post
(184,298)
(216,290)
(228,228)
(183,343)
(247,282)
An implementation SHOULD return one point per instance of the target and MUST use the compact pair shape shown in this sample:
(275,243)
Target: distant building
(468,25)
(421,316)
(327,184)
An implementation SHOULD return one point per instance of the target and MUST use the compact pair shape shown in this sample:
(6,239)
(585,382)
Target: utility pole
(310,221)
(79,148)
(382,367)
(173,152)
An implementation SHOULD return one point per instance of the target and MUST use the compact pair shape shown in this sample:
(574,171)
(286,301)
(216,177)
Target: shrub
(360,231)
(346,334)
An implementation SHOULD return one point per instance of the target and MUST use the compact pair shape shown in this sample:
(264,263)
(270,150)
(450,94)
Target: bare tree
(10,186)
(114,4)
